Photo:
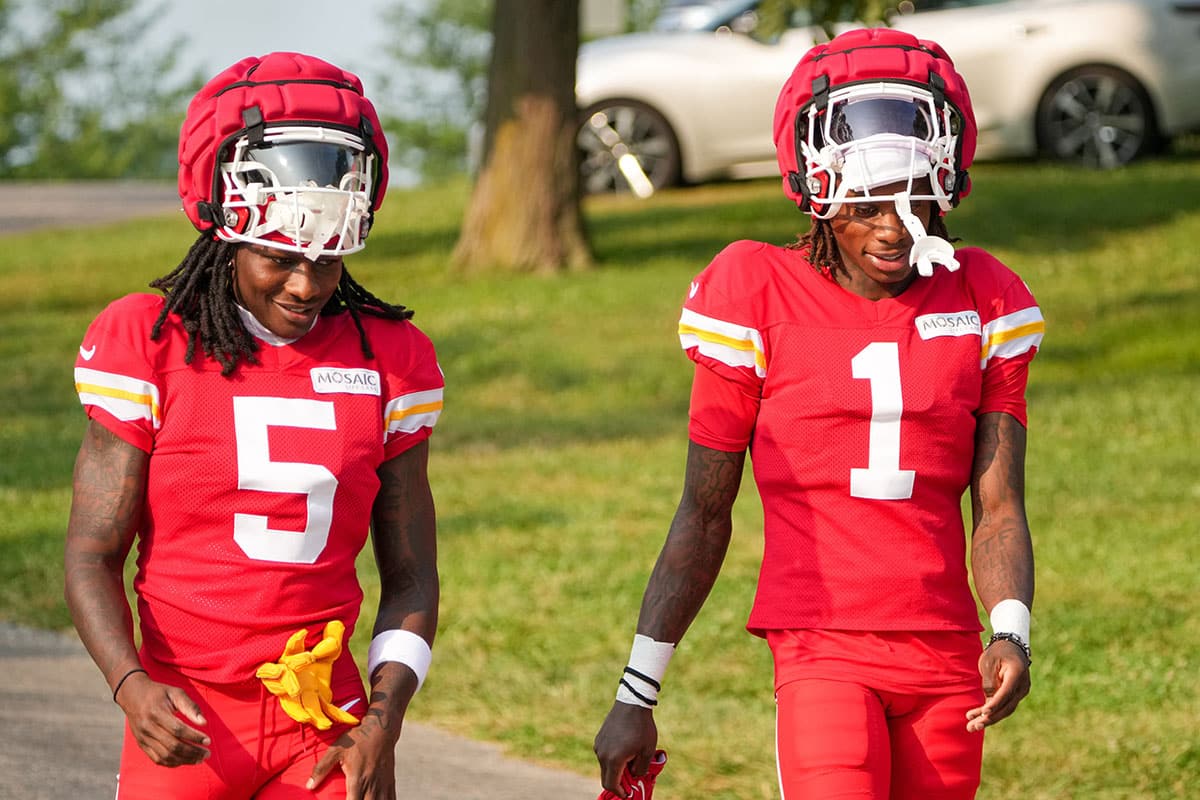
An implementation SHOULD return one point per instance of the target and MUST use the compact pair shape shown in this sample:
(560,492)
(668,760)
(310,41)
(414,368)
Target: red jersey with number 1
(860,419)
(260,485)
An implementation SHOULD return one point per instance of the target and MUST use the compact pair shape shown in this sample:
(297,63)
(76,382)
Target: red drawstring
(262,727)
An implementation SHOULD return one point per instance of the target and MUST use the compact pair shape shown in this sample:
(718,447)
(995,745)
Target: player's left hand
(367,756)
(1006,682)
(367,753)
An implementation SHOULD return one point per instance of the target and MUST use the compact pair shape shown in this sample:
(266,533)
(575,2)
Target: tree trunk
(524,213)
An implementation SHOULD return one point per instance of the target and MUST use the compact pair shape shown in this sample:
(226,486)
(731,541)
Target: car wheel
(1096,116)
(626,146)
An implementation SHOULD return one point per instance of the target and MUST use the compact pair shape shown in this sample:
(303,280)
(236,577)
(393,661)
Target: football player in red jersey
(248,429)
(875,373)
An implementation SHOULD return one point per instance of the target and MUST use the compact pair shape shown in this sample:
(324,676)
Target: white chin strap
(926,250)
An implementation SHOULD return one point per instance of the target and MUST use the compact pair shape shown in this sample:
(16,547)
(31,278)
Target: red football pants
(258,751)
(842,737)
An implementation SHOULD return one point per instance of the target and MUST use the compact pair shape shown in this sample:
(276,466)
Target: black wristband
(125,677)
(1015,639)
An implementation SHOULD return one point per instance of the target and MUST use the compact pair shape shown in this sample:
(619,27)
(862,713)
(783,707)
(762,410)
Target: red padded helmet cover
(286,88)
(864,55)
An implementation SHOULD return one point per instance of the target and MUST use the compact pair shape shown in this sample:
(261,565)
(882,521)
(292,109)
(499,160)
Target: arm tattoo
(405,541)
(696,544)
(1001,549)
(106,508)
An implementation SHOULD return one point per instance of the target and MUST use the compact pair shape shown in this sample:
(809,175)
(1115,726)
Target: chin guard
(926,250)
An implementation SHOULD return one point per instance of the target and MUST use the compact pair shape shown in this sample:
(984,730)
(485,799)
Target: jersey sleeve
(1012,330)
(718,330)
(114,374)
(413,382)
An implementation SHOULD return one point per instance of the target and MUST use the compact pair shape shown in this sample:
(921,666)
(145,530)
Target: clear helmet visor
(301,189)
(853,120)
(311,164)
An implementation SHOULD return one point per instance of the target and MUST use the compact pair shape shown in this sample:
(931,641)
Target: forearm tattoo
(404,537)
(696,545)
(1002,550)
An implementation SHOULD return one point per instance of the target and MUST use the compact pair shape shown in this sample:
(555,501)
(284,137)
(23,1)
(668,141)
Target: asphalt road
(60,732)
(29,206)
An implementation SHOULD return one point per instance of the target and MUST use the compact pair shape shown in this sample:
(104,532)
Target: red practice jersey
(860,419)
(260,486)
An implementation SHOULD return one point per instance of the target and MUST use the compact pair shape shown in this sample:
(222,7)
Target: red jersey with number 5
(260,485)
(860,419)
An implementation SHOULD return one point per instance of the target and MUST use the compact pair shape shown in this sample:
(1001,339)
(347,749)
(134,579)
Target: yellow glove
(301,679)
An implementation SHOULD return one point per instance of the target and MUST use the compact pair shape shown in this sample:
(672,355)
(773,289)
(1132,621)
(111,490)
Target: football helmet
(284,151)
(874,107)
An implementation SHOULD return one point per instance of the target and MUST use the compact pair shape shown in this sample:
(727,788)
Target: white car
(1100,82)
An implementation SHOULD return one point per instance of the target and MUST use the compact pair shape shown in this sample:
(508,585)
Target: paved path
(28,206)
(60,732)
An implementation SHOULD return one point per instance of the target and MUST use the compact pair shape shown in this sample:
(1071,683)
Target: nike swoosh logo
(695,288)
(87,354)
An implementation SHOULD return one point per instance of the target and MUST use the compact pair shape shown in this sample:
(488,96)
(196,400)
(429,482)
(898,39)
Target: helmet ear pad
(241,219)
(805,189)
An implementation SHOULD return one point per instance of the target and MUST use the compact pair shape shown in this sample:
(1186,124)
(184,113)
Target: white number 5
(251,418)
(879,363)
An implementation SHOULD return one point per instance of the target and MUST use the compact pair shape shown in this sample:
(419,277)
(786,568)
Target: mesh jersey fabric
(260,485)
(828,389)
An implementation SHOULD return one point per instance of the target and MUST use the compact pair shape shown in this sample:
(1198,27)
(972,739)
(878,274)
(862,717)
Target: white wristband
(1011,616)
(642,680)
(403,646)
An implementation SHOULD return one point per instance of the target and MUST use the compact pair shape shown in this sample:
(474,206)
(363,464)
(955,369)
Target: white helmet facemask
(874,134)
(301,189)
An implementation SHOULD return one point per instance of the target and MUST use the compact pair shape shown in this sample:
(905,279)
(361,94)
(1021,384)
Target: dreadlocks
(200,291)
(822,247)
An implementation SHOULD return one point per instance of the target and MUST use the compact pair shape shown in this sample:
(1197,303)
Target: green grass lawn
(559,458)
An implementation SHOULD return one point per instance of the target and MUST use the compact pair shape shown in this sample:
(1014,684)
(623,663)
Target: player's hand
(154,712)
(628,736)
(367,755)
(1006,682)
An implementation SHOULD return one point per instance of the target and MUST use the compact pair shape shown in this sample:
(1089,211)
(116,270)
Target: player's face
(284,291)
(874,244)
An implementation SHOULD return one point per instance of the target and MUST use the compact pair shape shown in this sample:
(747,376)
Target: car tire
(611,129)
(1096,116)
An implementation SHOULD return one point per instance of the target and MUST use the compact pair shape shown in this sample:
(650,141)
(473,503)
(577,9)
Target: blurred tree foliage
(775,16)
(443,48)
(82,96)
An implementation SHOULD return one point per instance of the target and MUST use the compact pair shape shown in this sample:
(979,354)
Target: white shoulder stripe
(727,342)
(408,413)
(125,398)
(1012,334)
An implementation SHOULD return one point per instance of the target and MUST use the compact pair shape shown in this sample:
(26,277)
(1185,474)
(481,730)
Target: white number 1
(879,363)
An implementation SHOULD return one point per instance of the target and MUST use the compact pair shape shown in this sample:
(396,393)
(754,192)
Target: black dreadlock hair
(200,291)
(823,250)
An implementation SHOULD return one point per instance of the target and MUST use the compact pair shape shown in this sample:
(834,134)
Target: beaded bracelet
(1015,639)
